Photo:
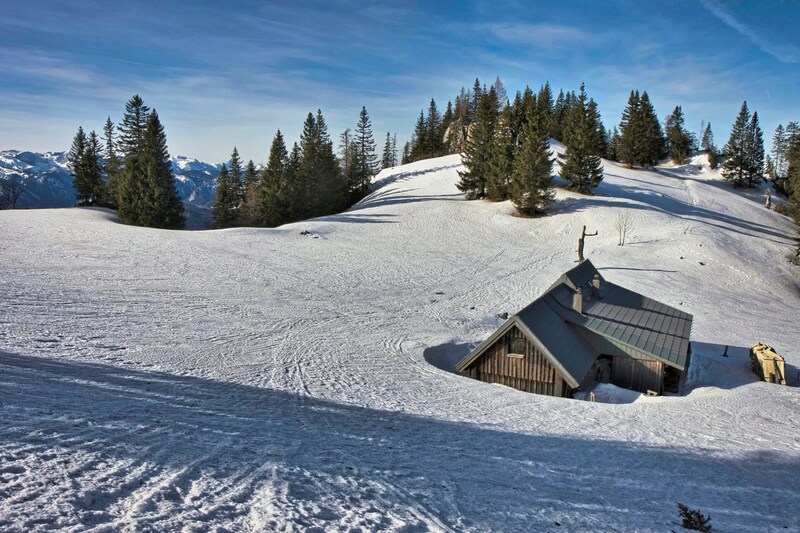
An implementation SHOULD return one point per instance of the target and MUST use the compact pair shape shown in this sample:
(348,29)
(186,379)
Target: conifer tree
(678,137)
(294,198)
(75,159)
(641,138)
(653,148)
(779,163)
(250,211)
(531,186)
(164,208)
(707,140)
(406,158)
(276,194)
(366,165)
(420,139)
(236,176)
(580,162)
(559,112)
(736,168)
(131,131)
(93,188)
(629,139)
(131,188)
(112,163)
(224,210)
(433,132)
(612,152)
(756,148)
(545,106)
(387,158)
(501,159)
(345,149)
(474,101)
(394,150)
(479,148)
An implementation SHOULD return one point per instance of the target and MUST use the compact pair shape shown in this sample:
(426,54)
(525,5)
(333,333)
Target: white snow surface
(264,380)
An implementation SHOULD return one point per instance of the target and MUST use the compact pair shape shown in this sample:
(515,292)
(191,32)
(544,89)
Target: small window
(516,347)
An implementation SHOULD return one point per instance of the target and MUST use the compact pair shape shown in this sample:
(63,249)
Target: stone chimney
(596,287)
(577,300)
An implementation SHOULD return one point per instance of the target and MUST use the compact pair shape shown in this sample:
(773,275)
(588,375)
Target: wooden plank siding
(532,372)
(638,374)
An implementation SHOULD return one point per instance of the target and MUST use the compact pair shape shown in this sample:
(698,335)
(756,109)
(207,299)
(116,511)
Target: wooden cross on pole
(581,242)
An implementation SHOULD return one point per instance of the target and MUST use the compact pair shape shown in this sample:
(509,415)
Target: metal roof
(636,324)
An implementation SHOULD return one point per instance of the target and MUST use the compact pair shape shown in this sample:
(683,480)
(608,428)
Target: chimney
(596,287)
(577,300)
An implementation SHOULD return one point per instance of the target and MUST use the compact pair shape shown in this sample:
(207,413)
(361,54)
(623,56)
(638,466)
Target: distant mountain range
(48,182)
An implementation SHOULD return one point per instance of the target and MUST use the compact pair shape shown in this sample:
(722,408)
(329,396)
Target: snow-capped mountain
(48,182)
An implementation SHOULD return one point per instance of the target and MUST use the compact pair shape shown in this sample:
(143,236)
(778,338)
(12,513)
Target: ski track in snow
(263,380)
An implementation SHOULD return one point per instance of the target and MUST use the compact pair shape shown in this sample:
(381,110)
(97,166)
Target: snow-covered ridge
(301,377)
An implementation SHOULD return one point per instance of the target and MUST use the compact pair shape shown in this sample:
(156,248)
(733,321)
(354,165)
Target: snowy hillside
(49,182)
(257,379)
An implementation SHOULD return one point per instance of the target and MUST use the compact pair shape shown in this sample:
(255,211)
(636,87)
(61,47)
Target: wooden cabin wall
(638,374)
(530,373)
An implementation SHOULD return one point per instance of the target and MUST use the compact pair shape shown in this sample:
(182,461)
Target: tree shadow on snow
(386,197)
(115,443)
(646,199)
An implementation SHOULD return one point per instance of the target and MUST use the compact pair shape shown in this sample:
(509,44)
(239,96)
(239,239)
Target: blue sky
(223,75)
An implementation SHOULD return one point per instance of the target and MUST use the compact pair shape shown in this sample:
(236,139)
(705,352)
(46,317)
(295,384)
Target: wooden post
(581,243)
(768,201)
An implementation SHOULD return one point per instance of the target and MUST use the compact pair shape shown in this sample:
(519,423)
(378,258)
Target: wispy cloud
(786,53)
(543,35)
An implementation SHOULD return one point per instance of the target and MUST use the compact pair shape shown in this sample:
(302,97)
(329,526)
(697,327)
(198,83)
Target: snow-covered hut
(585,330)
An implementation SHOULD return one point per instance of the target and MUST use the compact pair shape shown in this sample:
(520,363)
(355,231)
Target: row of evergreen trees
(304,182)
(130,172)
(507,152)
(777,166)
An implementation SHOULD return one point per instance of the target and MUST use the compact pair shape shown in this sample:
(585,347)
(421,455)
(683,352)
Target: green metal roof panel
(632,319)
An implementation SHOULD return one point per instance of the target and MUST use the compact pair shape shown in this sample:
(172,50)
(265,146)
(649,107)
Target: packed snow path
(259,379)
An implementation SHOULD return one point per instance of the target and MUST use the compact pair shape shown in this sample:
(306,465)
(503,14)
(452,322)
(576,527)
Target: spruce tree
(736,167)
(448,123)
(501,159)
(276,194)
(345,148)
(531,187)
(545,105)
(580,163)
(94,191)
(366,165)
(131,191)
(236,176)
(112,163)
(433,132)
(755,173)
(387,158)
(479,148)
(779,148)
(630,135)
(76,158)
(420,139)
(613,145)
(653,146)
(394,150)
(164,206)
(707,140)
(250,211)
(406,158)
(678,137)
(224,210)
(131,131)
